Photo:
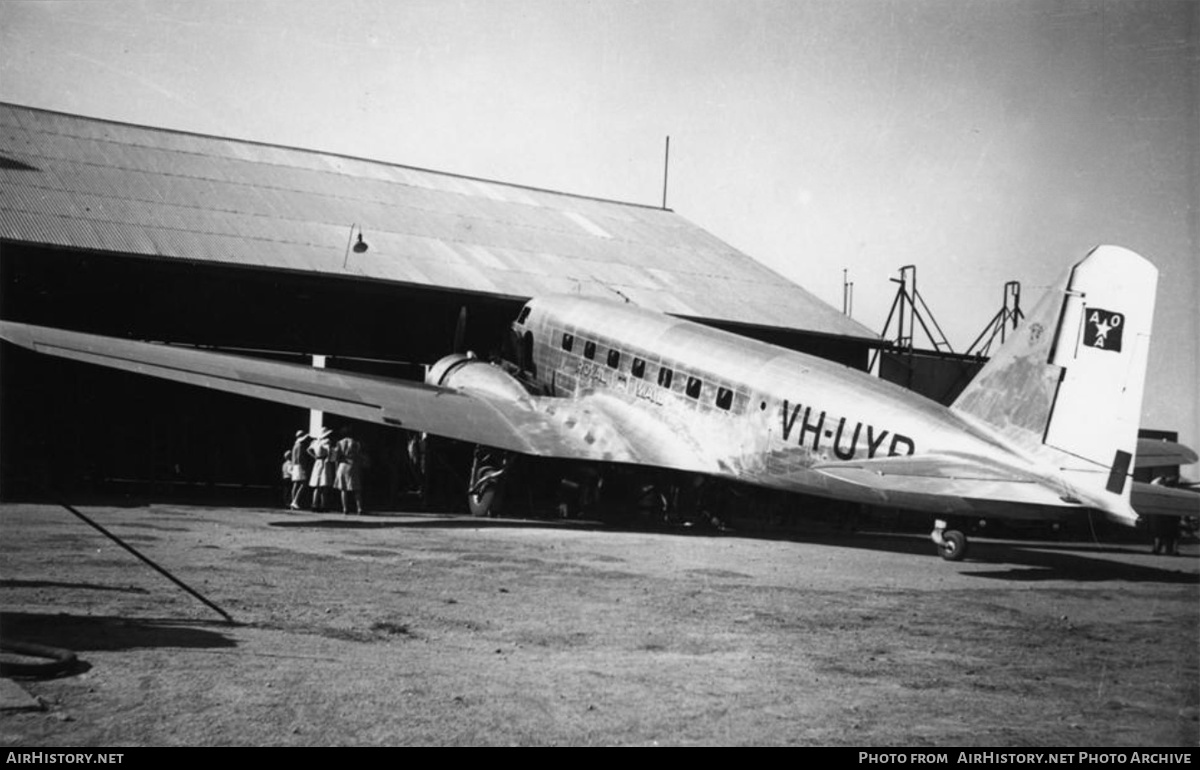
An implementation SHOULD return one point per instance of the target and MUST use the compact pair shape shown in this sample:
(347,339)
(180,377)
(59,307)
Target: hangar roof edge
(79,182)
(346,156)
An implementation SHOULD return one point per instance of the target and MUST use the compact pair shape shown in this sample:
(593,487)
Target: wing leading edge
(361,397)
(587,429)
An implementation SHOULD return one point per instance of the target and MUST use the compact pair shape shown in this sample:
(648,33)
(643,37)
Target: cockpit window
(524,314)
(568,341)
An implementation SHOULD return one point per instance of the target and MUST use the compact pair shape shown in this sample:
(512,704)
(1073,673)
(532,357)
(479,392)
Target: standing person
(351,460)
(298,460)
(321,477)
(286,478)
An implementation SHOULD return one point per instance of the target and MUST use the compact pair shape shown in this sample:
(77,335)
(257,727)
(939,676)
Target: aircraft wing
(1157,500)
(1152,453)
(596,428)
(947,476)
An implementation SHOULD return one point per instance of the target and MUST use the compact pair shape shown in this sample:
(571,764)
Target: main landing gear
(951,544)
(485,494)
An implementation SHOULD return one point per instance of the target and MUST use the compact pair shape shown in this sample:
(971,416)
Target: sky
(980,140)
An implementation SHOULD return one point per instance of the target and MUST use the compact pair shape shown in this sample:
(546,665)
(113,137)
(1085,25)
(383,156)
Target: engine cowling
(466,372)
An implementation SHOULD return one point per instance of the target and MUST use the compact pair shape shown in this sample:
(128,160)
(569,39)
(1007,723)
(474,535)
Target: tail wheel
(953,546)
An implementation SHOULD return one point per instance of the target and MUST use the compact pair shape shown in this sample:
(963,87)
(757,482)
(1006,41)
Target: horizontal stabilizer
(1156,500)
(1152,453)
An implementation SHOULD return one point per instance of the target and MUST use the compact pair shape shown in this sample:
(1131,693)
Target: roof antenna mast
(666,168)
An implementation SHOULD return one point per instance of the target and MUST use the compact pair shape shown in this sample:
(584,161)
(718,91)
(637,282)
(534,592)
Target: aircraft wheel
(488,472)
(484,502)
(953,546)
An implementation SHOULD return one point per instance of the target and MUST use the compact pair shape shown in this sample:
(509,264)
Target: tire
(58,661)
(485,503)
(954,547)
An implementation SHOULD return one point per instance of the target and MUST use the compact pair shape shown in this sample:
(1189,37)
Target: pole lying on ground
(147,560)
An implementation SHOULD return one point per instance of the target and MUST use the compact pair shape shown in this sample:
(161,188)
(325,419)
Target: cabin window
(589,350)
(724,398)
(524,314)
(614,358)
(664,377)
(693,387)
(638,369)
(568,342)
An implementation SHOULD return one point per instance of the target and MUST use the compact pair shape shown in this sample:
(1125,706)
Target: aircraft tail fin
(1067,387)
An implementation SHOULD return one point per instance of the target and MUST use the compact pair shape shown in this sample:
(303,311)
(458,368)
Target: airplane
(1045,431)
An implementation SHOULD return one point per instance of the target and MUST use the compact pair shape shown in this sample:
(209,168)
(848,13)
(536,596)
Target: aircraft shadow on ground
(60,584)
(449,522)
(101,633)
(463,521)
(1036,561)
(1014,561)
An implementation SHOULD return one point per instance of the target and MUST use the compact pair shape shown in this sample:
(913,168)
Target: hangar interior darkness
(70,428)
(154,234)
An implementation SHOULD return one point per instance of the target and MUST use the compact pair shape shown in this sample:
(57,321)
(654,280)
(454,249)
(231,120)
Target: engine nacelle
(466,372)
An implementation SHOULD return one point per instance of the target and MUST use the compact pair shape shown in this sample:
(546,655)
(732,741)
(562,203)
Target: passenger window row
(695,385)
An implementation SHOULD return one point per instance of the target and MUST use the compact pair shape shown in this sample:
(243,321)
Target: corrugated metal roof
(73,181)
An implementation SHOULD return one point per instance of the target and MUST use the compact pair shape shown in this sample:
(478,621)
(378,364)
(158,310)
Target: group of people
(326,467)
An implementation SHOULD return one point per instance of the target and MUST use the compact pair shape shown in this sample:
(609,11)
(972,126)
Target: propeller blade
(460,331)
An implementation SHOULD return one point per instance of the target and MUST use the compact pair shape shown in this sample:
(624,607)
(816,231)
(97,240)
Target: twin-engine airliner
(1048,427)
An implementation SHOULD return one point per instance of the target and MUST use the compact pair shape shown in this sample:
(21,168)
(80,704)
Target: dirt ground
(435,630)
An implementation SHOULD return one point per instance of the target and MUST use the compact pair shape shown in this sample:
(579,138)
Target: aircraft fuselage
(758,413)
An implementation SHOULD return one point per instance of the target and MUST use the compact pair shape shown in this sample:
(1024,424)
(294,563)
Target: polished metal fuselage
(755,412)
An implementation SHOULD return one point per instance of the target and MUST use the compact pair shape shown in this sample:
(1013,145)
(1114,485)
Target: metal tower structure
(909,310)
(1010,312)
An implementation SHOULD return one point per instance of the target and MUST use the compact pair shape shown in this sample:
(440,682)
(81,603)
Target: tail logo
(1103,330)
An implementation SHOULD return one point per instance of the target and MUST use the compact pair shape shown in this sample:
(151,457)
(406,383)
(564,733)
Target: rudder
(1068,387)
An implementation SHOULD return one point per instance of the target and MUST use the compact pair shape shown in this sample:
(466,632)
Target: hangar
(291,253)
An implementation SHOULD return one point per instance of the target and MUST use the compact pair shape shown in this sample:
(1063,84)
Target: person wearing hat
(298,460)
(323,470)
